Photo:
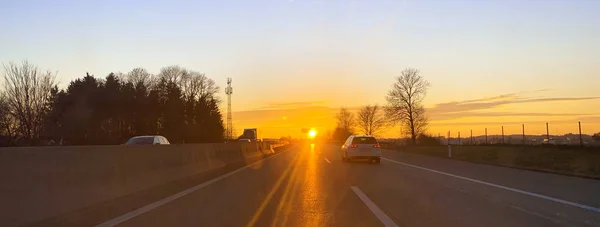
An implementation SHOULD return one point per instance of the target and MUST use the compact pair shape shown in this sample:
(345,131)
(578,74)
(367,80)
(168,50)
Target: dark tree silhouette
(369,120)
(345,125)
(596,136)
(26,94)
(405,103)
(7,125)
(428,140)
(179,104)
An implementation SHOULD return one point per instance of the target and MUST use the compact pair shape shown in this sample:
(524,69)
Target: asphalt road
(309,185)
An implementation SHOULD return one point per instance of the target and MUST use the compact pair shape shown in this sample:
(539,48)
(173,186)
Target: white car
(147,140)
(361,147)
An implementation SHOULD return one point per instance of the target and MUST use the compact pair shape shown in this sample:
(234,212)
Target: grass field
(566,160)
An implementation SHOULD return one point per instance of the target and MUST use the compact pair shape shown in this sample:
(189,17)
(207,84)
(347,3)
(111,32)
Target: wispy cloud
(471,106)
(508,123)
(455,115)
(291,105)
(590,119)
(537,91)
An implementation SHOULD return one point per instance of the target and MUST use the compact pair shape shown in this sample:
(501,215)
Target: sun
(312,133)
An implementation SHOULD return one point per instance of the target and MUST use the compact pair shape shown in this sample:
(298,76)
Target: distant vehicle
(244,140)
(551,141)
(249,133)
(361,147)
(148,140)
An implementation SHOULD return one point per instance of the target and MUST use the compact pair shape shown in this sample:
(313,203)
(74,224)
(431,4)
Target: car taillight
(376,146)
(354,146)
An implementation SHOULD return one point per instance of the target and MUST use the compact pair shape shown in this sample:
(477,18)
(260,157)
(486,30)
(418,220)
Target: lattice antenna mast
(229,91)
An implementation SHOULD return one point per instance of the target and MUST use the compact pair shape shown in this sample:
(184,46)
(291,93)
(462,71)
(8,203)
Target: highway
(309,185)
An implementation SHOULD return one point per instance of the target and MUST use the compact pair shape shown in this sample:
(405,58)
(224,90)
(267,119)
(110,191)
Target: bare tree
(139,76)
(28,92)
(172,74)
(7,122)
(345,120)
(370,120)
(405,102)
(345,125)
(196,85)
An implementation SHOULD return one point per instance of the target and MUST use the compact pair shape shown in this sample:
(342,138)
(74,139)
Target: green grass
(573,161)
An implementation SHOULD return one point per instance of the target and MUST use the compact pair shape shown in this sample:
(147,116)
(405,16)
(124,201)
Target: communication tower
(229,91)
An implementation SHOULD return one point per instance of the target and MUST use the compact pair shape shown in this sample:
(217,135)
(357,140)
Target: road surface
(309,185)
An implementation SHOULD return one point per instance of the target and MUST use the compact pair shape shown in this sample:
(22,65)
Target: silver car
(147,140)
(361,147)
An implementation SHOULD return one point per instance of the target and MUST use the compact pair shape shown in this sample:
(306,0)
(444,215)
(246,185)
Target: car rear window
(164,140)
(142,140)
(364,140)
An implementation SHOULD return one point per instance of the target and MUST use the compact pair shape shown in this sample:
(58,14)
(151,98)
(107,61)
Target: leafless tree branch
(405,102)
(369,120)
(27,90)
(196,85)
(345,120)
(173,74)
(139,76)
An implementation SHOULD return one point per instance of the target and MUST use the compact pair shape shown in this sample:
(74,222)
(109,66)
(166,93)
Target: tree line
(404,107)
(178,103)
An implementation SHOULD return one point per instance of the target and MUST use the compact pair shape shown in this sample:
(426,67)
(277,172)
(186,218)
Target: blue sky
(337,52)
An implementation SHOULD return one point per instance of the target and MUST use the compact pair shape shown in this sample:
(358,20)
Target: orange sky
(295,63)
(532,108)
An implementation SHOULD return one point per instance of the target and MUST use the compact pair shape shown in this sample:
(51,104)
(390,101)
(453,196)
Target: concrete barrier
(41,182)
(267,148)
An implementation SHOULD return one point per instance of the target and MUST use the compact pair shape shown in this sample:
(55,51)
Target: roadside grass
(566,160)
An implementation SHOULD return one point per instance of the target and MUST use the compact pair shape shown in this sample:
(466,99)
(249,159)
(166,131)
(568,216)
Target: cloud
(537,91)
(590,119)
(496,101)
(494,98)
(501,114)
(294,115)
(291,105)
(455,115)
(505,123)
(554,99)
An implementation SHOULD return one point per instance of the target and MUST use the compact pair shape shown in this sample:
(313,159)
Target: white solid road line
(586,207)
(149,207)
(387,221)
(327,160)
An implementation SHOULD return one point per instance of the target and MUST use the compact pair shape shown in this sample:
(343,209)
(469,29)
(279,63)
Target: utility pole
(471,137)
(229,91)
(449,146)
(580,138)
(502,134)
(485,135)
(523,126)
(547,133)
(459,138)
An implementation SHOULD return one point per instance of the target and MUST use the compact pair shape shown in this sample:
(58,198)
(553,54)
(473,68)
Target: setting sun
(312,133)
